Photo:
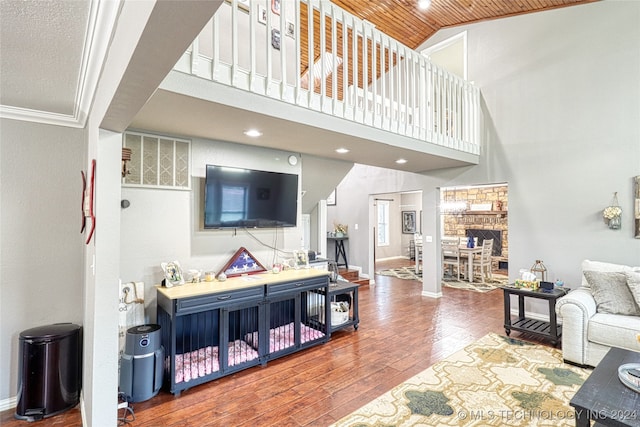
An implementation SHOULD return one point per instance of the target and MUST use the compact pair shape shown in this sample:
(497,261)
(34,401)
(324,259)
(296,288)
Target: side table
(339,250)
(549,329)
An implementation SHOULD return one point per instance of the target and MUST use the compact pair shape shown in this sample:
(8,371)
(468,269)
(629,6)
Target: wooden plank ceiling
(405,21)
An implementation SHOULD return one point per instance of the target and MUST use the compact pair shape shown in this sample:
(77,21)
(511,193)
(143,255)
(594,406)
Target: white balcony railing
(325,59)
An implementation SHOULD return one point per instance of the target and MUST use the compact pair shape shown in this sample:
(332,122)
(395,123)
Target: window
(383,223)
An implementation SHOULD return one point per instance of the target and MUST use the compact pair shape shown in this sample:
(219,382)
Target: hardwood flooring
(401,333)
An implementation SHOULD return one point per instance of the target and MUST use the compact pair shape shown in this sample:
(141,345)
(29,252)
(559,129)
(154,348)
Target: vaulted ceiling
(46,75)
(405,21)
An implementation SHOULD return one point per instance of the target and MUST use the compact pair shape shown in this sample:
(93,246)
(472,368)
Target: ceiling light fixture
(401,161)
(342,150)
(424,4)
(254,133)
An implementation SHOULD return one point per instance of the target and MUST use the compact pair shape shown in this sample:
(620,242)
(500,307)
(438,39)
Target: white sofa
(588,332)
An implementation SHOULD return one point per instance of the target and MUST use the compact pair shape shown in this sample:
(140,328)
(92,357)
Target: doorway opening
(397,220)
(479,212)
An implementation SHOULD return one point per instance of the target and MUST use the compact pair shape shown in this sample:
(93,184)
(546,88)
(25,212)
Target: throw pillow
(588,265)
(633,281)
(611,292)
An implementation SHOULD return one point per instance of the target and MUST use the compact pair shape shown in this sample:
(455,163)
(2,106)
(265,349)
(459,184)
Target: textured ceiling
(42,45)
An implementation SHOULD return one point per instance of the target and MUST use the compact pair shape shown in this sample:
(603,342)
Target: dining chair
(483,261)
(451,256)
(417,245)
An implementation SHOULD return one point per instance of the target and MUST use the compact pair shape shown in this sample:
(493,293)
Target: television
(236,197)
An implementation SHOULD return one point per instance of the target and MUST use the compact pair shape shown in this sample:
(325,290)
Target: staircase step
(348,274)
(353,276)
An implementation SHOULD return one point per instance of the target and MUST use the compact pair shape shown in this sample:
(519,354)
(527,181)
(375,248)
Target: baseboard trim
(82,411)
(9,403)
(391,258)
(432,294)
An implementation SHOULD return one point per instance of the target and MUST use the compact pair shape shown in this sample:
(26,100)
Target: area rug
(493,382)
(407,273)
(494,283)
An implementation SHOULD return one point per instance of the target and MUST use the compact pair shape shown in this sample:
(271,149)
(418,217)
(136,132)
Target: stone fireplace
(485,224)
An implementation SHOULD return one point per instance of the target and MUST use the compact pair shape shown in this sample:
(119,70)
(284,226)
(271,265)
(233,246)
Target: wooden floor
(401,333)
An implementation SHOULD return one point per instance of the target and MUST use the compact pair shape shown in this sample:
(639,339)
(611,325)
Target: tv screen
(237,197)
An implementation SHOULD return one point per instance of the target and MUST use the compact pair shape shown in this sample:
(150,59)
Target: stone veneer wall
(456,225)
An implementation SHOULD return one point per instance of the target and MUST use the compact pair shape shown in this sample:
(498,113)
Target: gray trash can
(50,370)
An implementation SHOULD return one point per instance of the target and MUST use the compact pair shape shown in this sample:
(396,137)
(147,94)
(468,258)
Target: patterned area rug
(495,381)
(409,273)
(494,283)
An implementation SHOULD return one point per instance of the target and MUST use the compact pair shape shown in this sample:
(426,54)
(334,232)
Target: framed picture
(262,14)
(408,222)
(301,259)
(275,38)
(331,200)
(290,29)
(275,6)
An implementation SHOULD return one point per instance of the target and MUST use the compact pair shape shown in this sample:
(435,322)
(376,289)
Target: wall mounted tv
(237,197)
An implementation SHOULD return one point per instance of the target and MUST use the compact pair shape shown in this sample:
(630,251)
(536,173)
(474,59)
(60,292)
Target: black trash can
(50,370)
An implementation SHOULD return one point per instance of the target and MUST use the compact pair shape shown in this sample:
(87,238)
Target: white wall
(41,259)
(166,225)
(354,207)
(561,99)
(398,241)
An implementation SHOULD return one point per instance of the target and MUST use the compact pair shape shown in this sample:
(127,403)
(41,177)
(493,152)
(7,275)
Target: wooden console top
(240,282)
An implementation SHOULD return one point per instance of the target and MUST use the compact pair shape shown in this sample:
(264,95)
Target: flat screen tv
(250,198)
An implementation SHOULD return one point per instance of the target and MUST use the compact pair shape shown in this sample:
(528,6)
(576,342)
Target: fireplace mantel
(485,213)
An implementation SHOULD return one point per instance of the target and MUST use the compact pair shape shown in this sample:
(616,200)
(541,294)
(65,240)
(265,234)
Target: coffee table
(603,397)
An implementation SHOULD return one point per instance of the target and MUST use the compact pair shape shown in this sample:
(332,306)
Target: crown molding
(37,116)
(100,25)
(102,21)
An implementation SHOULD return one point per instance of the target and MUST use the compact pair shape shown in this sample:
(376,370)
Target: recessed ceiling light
(401,161)
(342,150)
(254,133)
(424,4)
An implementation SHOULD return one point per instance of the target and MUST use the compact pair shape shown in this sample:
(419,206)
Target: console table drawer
(302,285)
(201,303)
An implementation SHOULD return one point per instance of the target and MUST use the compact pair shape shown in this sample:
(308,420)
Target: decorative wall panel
(157,162)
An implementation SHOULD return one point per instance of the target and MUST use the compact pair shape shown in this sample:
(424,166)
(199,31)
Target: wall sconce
(126,156)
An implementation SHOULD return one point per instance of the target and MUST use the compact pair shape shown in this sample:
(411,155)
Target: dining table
(469,253)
